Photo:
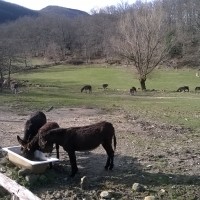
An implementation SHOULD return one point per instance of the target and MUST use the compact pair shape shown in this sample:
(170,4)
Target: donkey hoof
(106,167)
(111,167)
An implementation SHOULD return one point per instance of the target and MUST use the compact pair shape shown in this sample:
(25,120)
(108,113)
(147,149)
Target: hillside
(68,12)
(11,12)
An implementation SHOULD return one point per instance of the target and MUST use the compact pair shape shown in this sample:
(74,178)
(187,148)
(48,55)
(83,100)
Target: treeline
(98,36)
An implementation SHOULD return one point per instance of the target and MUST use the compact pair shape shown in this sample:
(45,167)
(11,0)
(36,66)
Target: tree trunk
(142,83)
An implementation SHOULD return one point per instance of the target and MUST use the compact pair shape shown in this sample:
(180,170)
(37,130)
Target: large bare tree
(142,38)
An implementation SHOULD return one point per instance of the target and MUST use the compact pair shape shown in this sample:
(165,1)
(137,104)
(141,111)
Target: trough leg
(72,158)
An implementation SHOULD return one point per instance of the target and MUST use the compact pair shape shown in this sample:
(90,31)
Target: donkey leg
(110,152)
(57,151)
(111,161)
(72,158)
(107,163)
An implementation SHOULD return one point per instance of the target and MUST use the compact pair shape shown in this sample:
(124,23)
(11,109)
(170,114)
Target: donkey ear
(22,142)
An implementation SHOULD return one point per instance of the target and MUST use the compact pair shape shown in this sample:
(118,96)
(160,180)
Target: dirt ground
(160,156)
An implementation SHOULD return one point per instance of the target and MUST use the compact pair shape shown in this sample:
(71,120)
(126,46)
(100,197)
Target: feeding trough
(39,165)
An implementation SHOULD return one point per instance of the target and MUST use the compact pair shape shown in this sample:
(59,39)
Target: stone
(162,191)
(84,183)
(2,169)
(150,198)
(137,187)
(58,195)
(105,195)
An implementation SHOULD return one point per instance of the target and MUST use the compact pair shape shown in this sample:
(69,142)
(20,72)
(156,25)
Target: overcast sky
(84,5)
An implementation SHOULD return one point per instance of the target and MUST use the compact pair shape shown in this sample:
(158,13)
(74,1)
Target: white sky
(84,5)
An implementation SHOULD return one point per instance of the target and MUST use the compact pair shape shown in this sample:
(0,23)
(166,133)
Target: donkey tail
(115,142)
(114,139)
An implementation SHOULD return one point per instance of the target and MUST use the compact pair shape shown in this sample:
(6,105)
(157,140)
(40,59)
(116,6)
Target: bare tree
(142,39)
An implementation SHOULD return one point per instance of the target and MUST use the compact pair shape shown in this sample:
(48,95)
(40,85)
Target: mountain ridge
(11,12)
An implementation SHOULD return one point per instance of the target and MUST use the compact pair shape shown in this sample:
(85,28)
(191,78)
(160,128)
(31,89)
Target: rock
(150,198)
(162,191)
(8,173)
(84,183)
(2,169)
(137,187)
(149,166)
(105,195)
(58,195)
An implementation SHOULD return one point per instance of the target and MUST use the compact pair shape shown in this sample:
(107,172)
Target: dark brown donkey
(87,88)
(30,147)
(33,124)
(81,139)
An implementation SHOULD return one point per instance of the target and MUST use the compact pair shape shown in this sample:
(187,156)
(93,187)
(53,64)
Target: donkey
(183,89)
(105,86)
(133,90)
(33,124)
(197,89)
(30,147)
(14,86)
(81,139)
(87,88)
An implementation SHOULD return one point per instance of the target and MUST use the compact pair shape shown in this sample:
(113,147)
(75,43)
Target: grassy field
(60,86)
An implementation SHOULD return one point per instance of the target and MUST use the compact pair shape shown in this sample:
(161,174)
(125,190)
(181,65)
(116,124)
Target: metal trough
(40,164)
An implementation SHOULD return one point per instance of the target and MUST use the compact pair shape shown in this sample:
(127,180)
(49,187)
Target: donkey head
(45,146)
(26,150)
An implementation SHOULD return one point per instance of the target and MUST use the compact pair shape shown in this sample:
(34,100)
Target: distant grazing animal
(197,89)
(33,124)
(14,86)
(183,89)
(6,83)
(87,88)
(30,147)
(81,139)
(133,90)
(105,86)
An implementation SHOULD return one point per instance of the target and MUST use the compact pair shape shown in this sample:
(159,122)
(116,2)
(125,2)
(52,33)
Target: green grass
(60,86)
